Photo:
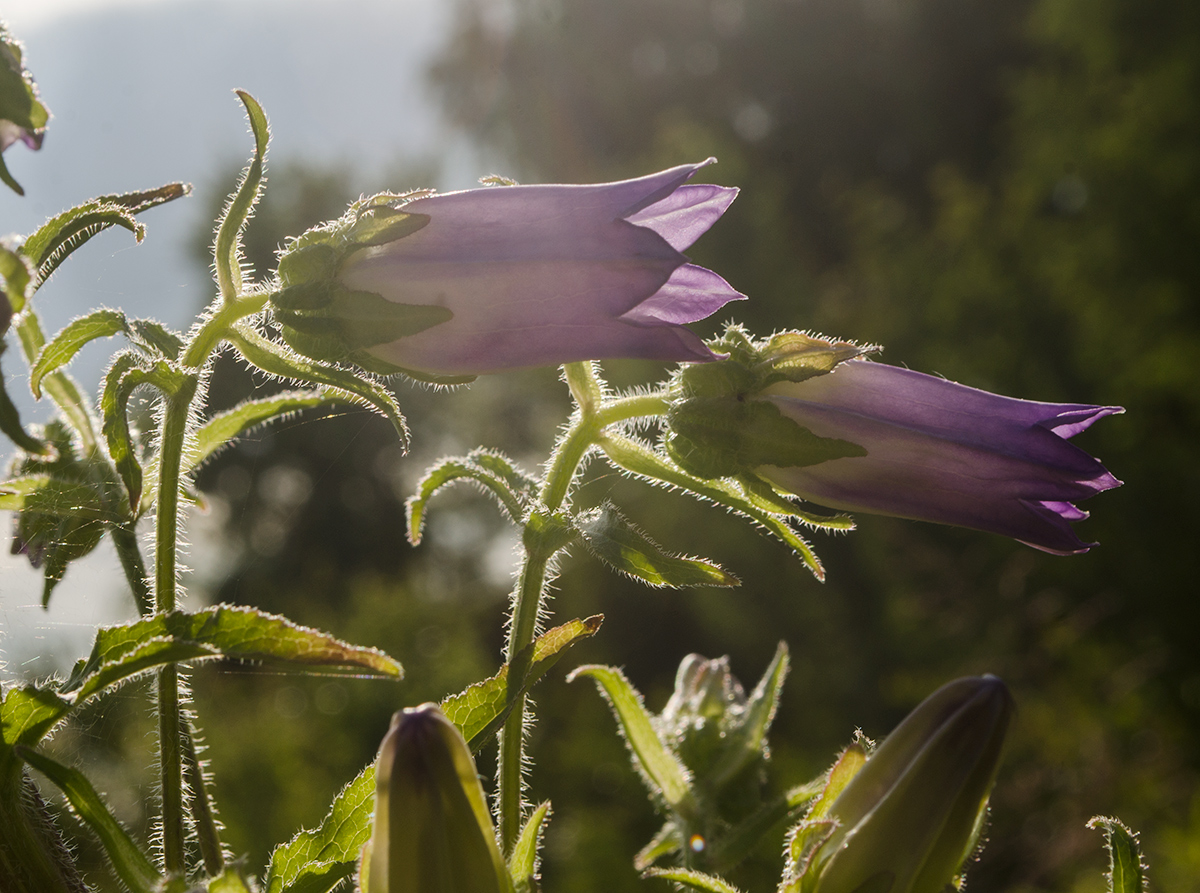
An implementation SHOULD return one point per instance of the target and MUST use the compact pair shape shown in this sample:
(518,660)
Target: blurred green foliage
(1001,192)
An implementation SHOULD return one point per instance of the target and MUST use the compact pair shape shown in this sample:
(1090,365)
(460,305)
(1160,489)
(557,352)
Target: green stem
(201,807)
(592,416)
(33,856)
(217,326)
(526,604)
(170,730)
(126,542)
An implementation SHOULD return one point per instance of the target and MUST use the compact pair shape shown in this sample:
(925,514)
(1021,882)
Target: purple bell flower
(943,452)
(508,277)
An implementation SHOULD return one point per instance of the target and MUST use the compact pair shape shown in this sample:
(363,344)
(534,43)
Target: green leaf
(128,861)
(230,881)
(14,491)
(481,709)
(317,861)
(643,462)
(239,633)
(616,542)
(750,741)
(228,250)
(10,422)
(114,401)
(692,880)
(26,715)
(18,274)
(62,347)
(492,472)
(732,847)
(1126,870)
(664,773)
(523,863)
(225,426)
(56,239)
(275,359)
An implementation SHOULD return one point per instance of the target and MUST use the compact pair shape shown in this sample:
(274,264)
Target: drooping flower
(909,815)
(503,277)
(941,451)
(815,420)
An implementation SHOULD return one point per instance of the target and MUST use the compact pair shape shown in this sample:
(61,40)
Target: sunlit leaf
(317,861)
(523,863)
(750,742)
(692,880)
(227,251)
(1126,870)
(276,359)
(26,715)
(643,462)
(128,861)
(620,545)
(225,426)
(61,349)
(664,773)
(240,633)
(490,471)
(481,709)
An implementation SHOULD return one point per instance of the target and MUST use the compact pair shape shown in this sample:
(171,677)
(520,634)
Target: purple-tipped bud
(814,419)
(455,285)
(433,832)
(909,818)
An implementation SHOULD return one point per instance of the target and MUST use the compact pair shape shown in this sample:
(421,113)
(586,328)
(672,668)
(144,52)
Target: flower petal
(690,294)
(686,214)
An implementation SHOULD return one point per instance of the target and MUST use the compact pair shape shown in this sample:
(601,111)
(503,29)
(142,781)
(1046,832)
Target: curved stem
(214,329)
(592,416)
(126,542)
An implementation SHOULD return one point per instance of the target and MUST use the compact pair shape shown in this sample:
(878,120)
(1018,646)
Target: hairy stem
(592,415)
(166,543)
(129,551)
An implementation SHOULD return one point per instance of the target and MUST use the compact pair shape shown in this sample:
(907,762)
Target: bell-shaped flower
(910,816)
(934,450)
(433,832)
(450,286)
(816,420)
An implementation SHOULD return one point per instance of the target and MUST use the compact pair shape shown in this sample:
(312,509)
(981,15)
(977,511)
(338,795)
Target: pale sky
(25,15)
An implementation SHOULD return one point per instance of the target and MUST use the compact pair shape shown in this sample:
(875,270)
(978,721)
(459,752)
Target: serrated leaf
(481,709)
(750,741)
(1126,871)
(225,426)
(240,633)
(56,239)
(663,771)
(643,462)
(61,349)
(227,250)
(316,861)
(692,880)
(26,715)
(275,359)
(128,861)
(523,863)
(493,473)
(620,545)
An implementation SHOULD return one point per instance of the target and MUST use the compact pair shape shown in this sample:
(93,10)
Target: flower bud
(814,419)
(908,820)
(433,832)
(447,287)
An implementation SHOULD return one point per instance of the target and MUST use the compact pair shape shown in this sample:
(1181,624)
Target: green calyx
(324,320)
(715,427)
(714,437)
(752,365)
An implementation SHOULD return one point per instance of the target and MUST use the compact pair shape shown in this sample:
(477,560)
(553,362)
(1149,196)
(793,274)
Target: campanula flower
(450,286)
(934,450)
(22,115)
